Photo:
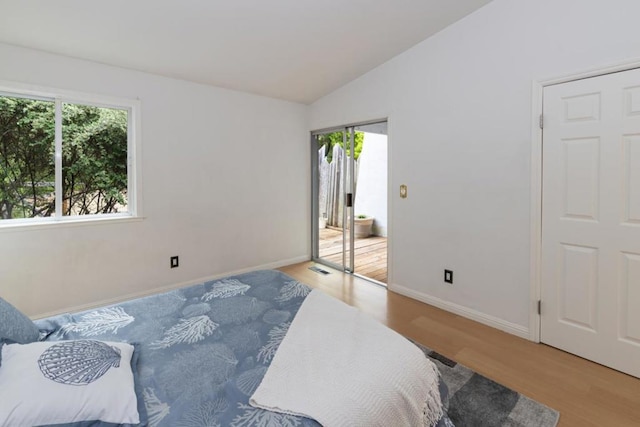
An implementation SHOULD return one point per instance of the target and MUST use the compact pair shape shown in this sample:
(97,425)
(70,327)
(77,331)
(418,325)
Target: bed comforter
(203,349)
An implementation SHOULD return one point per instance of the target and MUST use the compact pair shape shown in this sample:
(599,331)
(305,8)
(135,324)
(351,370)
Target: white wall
(225,187)
(459,105)
(371,193)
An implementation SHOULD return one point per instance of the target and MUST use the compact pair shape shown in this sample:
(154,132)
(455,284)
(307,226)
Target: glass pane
(94,160)
(371,201)
(27,170)
(331,160)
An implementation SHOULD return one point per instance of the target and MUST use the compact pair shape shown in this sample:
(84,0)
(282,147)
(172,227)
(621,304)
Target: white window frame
(134,170)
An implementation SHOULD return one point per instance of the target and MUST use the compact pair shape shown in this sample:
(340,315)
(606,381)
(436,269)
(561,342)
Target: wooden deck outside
(370,253)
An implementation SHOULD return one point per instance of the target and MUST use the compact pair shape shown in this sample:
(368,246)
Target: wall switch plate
(448,276)
(175,262)
(403,191)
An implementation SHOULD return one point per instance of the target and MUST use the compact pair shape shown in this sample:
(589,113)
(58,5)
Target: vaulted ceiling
(298,50)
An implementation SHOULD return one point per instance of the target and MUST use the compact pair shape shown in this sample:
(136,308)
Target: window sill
(75,222)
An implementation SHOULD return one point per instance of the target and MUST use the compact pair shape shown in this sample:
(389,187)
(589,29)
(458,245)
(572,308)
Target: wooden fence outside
(331,185)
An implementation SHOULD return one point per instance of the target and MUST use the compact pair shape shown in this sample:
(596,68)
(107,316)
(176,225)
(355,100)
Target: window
(63,159)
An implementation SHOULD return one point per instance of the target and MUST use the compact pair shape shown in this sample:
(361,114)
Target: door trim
(535,265)
(315,256)
(348,125)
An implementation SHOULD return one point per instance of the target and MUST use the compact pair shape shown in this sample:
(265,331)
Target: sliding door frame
(348,185)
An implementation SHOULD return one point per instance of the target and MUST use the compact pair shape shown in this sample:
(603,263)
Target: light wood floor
(585,393)
(370,253)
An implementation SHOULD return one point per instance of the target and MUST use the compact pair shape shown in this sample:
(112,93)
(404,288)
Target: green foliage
(94,159)
(329,140)
(26,158)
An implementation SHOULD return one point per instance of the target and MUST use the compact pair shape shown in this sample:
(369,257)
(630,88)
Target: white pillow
(67,381)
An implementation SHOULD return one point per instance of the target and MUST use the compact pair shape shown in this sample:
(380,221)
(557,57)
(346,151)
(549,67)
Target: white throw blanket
(342,368)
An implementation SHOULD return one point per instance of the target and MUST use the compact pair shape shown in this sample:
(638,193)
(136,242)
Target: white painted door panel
(591,219)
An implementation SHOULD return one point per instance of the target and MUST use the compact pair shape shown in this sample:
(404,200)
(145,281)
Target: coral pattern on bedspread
(204,349)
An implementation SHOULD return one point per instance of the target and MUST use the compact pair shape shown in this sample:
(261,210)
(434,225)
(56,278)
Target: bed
(201,352)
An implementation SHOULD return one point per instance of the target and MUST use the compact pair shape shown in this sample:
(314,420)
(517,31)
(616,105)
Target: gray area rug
(477,401)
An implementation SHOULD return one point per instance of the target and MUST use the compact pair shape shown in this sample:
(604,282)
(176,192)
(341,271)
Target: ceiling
(297,50)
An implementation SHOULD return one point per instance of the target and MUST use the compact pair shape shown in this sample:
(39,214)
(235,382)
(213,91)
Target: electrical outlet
(448,276)
(175,262)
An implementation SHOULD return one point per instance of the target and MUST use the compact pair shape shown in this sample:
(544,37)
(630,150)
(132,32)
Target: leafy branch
(94,159)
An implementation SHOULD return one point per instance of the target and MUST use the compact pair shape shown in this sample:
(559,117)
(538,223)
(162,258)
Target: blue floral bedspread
(203,349)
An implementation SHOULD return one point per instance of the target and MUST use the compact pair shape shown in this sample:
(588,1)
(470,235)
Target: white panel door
(591,219)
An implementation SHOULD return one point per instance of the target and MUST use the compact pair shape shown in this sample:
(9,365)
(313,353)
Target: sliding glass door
(349,201)
(333,196)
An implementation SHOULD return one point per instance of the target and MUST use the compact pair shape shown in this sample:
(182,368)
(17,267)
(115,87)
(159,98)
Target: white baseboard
(463,311)
(166,288)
